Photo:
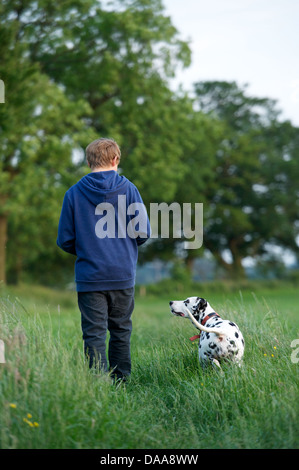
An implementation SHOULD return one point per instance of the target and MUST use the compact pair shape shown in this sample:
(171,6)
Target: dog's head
(197,306)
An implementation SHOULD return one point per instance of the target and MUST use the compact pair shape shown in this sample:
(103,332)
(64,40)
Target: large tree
(73,71)
(39,129)
(252,202)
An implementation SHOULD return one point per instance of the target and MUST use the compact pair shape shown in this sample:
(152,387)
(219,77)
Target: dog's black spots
(186,301)
(196,316)
(232,343)
(202,304)
(231,323)
(208,335)
(236,335)
(243,341)
(218,323)
(212,345)
(233,352)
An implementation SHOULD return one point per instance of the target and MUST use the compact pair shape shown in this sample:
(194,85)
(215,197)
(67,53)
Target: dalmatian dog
(219,340)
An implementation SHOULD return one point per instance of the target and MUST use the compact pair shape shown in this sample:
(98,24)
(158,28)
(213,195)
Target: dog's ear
(201,304)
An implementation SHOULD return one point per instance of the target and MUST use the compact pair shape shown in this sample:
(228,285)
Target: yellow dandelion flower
(35,424)
(272,355)
(29,415)
(25,420)
(265,355)
(30,424)
(13,405)
(274,347)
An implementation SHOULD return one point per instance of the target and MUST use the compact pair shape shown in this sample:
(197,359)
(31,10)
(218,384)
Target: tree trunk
(238,271)
(190,264)
(13,275)
(234,270)
(217,255)
(3,238)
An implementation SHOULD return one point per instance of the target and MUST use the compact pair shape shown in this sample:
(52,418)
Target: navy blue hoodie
(94,225)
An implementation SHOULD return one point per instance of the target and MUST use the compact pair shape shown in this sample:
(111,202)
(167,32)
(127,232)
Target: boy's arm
(66,228)
(142,240)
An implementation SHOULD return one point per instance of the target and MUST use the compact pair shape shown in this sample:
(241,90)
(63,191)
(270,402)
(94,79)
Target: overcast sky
(248,41)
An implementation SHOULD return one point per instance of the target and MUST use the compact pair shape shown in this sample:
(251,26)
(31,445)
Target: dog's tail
(217,331)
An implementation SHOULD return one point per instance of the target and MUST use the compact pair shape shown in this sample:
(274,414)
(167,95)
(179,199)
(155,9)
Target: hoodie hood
(103,186)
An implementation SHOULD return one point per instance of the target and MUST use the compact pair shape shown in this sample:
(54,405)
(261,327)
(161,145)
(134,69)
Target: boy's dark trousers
(110,310)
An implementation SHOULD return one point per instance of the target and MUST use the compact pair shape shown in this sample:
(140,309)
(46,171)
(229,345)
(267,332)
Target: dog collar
(213,314)
(206,318)
(194,337)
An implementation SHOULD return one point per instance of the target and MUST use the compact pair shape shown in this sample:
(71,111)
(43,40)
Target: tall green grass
(49,399)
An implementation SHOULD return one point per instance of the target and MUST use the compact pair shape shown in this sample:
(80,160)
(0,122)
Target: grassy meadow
(50,400)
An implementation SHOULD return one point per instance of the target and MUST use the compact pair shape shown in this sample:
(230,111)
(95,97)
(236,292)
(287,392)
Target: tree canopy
(77,70)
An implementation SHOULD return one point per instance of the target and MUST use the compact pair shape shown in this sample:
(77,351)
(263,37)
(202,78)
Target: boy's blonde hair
(101,152)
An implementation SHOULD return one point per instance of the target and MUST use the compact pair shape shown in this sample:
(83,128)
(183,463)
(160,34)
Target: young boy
(92,226)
